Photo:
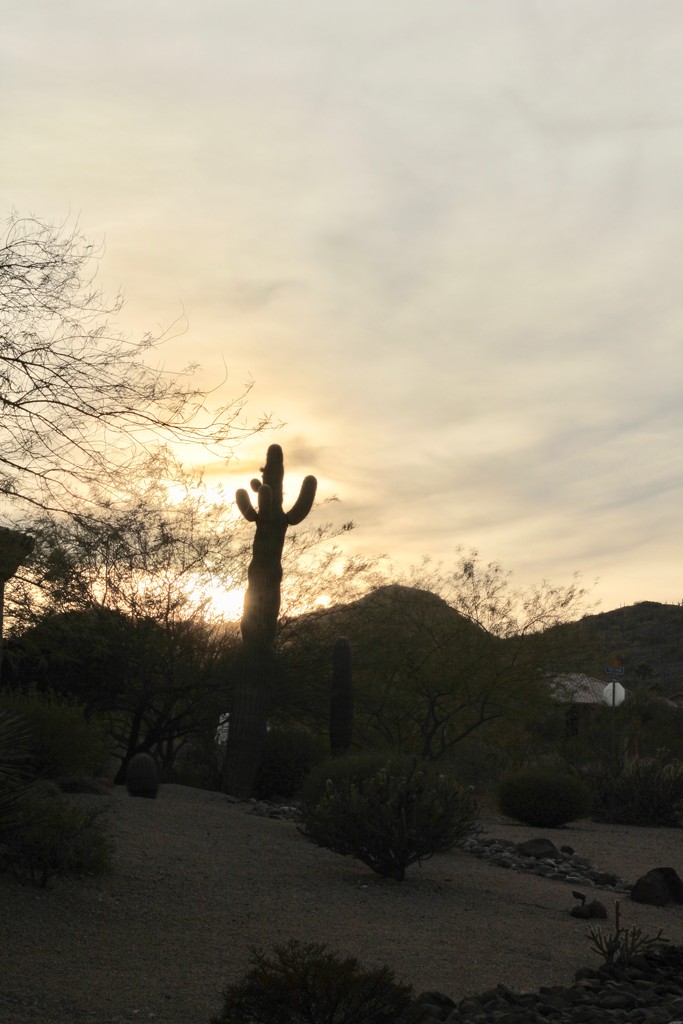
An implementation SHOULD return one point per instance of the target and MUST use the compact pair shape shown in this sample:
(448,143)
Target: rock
(436,999)
(420,1013)
(651,993)
(539,848)
(587,910)
(658,887)
(579,862)
(590,974)
(507,854)
(469,1006)
(617,1000)
(603,878)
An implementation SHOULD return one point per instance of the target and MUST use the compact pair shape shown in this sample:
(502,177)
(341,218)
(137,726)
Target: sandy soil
(198,881)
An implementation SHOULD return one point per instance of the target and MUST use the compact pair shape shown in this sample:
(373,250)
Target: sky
(443,238)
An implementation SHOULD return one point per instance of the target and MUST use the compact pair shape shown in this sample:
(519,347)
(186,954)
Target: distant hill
(375,619)
(418,605)
(648,640)
(395,631)
(418,663)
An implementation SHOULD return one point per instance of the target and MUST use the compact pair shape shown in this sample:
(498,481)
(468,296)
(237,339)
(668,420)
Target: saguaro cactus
(15,547)
(254,676)
(341,697)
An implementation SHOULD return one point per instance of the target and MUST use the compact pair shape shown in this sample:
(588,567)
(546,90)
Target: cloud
(443,238)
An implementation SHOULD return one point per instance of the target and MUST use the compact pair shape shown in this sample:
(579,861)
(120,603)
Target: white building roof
(576,688)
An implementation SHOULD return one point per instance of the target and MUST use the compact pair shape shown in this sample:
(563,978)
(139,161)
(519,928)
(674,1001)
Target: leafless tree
(80,403)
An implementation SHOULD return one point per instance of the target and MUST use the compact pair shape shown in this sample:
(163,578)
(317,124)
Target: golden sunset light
(440,248)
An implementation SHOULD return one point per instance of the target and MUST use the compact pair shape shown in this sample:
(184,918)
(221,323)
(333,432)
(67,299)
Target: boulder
(539,848)
(658,887)
(587,910)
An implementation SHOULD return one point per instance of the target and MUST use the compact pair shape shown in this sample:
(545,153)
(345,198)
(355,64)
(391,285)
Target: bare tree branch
(79,402)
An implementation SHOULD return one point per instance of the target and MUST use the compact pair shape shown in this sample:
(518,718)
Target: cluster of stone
(649,990)
(541,857)
(266,809)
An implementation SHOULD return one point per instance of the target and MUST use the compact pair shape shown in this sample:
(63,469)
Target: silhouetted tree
(79,402)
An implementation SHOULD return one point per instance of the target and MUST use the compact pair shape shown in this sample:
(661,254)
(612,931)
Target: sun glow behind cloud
(218,603)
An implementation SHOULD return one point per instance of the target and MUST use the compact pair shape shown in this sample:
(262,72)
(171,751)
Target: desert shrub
(62,740)
(543,798)
(349,768)
(645,791)
(307,984)
(81,784)
(55,836)
(142,776)
(619,946)
(398,816)
(200,763)
(289,753)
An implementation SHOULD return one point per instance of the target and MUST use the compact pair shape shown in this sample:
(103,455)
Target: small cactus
(341,698)
(142,776)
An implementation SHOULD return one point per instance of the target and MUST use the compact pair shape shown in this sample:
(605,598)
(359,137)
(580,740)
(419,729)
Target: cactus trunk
(341,698)
(15,547)
(253,684)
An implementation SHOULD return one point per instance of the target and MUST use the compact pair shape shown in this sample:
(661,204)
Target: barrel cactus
(142,776)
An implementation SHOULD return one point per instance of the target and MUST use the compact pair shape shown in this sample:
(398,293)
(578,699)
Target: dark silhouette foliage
(308,984)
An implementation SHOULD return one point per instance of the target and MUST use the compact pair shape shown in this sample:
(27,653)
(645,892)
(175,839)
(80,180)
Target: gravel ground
(198,881)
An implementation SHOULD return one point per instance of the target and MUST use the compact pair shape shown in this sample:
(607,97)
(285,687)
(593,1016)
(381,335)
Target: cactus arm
(245,506)
(265,504)
(273,474)
(303,504)
(254,672)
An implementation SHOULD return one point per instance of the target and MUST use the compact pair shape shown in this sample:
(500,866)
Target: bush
(308,985)
(289,753)
(200,763)
(62,741)
(543,798)
(647,791)
(55,837)
(343,770)
(396,817)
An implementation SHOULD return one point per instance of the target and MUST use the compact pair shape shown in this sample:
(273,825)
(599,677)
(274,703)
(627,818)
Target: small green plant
(394,818)
(543,799)
(55,837)
(619,946)
(142,776)
(307,984)
(645,791)
(289,753)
